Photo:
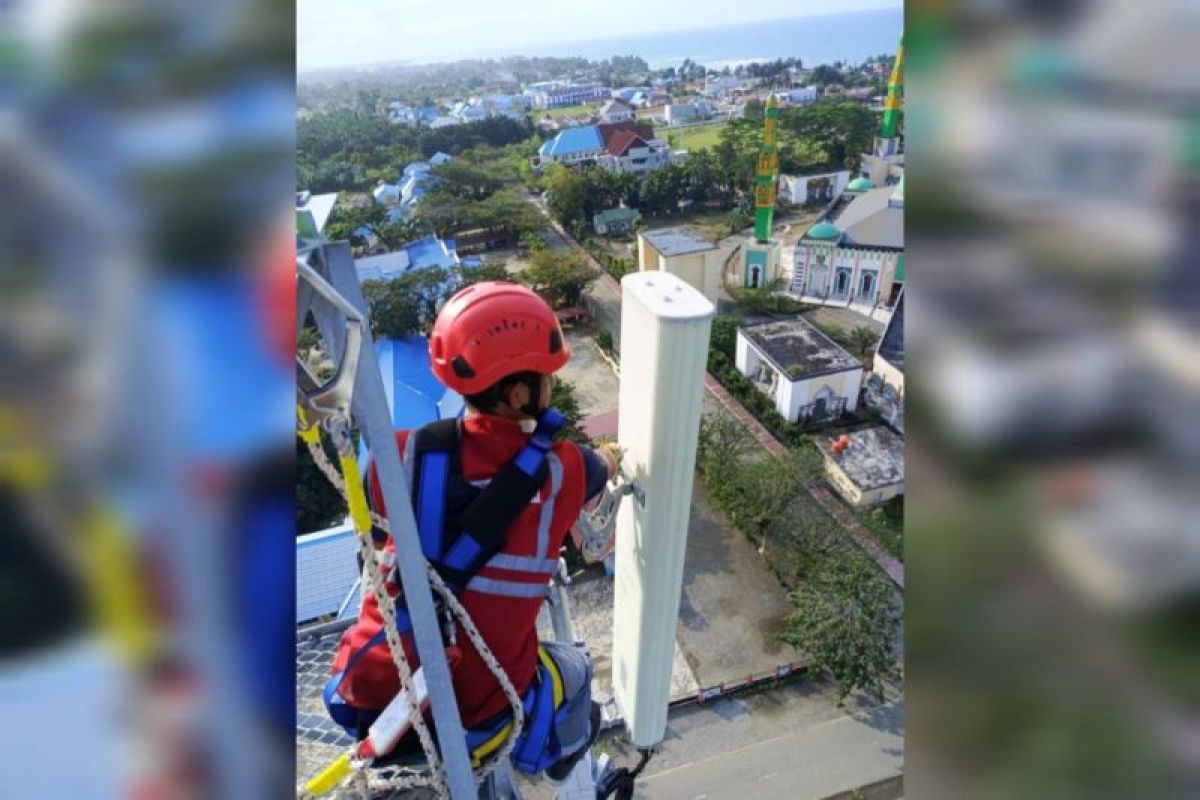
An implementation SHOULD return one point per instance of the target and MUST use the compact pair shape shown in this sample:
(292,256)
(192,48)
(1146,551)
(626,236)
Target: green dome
(823,230)
(860,184)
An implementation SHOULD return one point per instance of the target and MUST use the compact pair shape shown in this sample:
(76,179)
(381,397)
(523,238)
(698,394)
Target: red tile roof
(621,141)
(609,131)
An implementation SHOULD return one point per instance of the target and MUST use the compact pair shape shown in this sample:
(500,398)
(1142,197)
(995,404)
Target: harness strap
(532,751)
(342,712)
(484,524)
(436,457)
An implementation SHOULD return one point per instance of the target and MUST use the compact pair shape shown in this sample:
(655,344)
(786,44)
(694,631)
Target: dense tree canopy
(341,150)
(559,276)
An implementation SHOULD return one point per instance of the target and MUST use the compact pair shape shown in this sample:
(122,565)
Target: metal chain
(407,781)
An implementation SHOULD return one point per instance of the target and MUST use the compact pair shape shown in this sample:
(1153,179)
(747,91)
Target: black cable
(622,781)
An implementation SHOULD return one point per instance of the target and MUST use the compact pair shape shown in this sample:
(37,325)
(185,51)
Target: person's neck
(526,422)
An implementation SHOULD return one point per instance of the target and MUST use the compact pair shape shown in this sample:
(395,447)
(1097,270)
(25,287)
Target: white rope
(361,782)
(437,778)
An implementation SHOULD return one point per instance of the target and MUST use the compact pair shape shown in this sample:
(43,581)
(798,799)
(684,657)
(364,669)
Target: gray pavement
(603,299)
(731,606)
(793,741)
(595,384)
(739,749)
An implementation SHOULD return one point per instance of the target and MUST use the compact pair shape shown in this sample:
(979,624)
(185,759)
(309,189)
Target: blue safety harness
(458,544)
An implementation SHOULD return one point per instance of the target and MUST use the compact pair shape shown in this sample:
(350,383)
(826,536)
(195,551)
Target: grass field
(695,138)
(567,111)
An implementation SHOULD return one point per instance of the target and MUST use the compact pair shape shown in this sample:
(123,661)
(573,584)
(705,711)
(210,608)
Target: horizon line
(493,57)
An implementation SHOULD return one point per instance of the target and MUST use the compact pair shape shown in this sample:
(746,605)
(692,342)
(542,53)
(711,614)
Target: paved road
(792,742)
(810,762)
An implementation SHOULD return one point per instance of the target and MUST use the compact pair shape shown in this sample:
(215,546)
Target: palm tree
(864,339)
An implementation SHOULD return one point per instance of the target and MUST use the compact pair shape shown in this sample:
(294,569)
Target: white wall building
(854,255)
(795,97)
(616,110)
(865,467)
(688,255)
(720,88)
(554,94)
(679,113)
(819,188)
(808,375)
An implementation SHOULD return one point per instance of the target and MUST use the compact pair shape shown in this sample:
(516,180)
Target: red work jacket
(503,598)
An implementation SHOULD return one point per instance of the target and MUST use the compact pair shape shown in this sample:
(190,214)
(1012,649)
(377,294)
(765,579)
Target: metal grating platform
(319,739)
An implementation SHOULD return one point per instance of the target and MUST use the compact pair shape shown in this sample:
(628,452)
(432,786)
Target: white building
(619,147)
(681,252)
(720,88)
(616,110)
(808,375)
(865,467)
(795,97)
(819,188)
(386,194)
(313,211)
(681,113)
(854,255)
(556,94)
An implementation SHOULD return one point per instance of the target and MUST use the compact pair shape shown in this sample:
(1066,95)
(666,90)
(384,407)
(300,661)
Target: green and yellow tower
(767,173)
(886,158)
(890,128)
(762,254)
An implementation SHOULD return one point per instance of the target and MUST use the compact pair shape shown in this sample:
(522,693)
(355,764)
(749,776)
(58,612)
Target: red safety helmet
(490,331)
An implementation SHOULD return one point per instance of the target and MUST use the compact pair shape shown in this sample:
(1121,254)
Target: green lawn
(695,138)
(567,111)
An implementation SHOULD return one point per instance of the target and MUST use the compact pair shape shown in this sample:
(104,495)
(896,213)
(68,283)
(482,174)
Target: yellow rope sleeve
(328,778)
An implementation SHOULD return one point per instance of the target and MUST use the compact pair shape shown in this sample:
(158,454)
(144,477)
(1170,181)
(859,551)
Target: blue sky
(335,33)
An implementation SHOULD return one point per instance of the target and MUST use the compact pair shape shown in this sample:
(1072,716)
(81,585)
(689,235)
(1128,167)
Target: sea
(850,36)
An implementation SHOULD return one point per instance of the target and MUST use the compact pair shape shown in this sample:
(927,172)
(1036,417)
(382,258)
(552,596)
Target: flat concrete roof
(875,457)
(678,241)
(794,343)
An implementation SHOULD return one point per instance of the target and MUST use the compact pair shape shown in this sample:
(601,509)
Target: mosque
(853,255)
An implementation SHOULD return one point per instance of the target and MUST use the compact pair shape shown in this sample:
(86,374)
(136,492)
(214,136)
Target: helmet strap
(533,383)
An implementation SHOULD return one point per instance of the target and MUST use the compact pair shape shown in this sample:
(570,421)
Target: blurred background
(146,412)
(1053,528)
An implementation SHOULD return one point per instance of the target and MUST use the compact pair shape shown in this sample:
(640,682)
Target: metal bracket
(322,401)
(598,526)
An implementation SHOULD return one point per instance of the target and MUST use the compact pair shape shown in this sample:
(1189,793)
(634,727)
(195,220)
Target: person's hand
(612,457)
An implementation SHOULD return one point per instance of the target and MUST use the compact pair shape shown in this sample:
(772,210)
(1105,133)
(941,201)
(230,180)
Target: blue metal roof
(574,140)
(430,252)
(414,395)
